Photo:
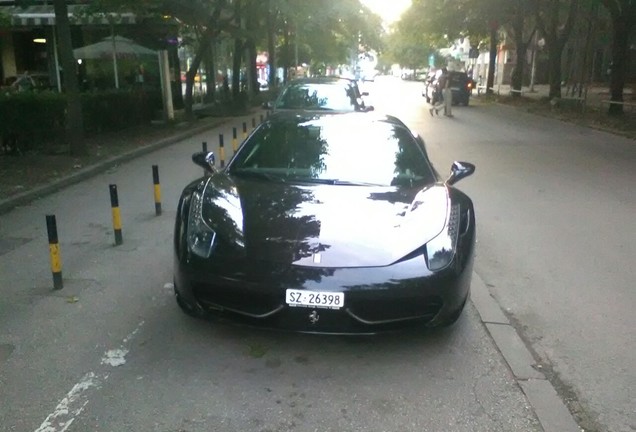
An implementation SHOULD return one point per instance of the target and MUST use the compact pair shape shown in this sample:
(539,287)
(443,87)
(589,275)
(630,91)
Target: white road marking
(72,405)
(116,357)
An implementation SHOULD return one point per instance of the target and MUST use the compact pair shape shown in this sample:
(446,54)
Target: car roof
(320,80)
(353,117)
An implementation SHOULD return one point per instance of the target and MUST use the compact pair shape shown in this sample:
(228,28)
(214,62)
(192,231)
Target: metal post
(234,140)
(54,252)
(114,204)
(244,130)
(221,150)
(157,187)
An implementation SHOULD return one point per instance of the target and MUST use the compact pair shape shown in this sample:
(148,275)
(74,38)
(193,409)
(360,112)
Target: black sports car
(329,224)
(326,93)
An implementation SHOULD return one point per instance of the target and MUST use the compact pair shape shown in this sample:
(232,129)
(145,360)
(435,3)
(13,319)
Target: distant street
(555,206)
(113,352)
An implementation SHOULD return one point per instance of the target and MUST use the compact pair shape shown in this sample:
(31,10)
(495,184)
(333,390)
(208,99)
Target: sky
(389,10)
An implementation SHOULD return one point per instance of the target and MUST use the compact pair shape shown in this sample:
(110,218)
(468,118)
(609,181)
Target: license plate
(314,299)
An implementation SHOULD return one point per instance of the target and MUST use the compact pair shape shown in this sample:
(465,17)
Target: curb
(548,406)
(24,198)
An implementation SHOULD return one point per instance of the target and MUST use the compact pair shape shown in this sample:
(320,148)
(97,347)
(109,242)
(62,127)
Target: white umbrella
(112,47)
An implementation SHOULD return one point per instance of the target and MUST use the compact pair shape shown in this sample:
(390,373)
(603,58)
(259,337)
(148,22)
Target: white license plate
(314,299)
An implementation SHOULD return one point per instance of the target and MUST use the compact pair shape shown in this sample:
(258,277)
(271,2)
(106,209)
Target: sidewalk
(595,96)
(133,145)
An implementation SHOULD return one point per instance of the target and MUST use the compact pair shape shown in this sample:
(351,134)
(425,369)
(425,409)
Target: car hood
(323,225)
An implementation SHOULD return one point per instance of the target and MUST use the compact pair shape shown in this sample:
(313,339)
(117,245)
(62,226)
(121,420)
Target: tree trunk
(492,61)
(210,75)
(237,57)
(251,67)
(554,68)
(516,80)
(74,118)
(271,49)
(619,65)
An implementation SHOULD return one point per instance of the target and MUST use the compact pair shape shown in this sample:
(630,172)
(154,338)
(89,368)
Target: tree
(442,21)
(623,22)
(549,14)
(74,118)
(518,28)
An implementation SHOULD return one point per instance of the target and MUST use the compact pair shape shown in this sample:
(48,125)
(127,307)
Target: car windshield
(334,96)
(334,150)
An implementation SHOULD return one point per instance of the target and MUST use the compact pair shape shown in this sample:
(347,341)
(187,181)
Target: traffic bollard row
(51,223)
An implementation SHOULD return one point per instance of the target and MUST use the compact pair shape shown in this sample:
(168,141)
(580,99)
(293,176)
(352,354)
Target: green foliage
(31,121)
(116,109)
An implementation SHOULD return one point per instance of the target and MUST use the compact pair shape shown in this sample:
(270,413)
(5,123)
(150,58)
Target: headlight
(441,250)
(200,235)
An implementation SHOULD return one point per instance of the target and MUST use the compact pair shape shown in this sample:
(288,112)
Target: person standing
(447,94)
(439,97)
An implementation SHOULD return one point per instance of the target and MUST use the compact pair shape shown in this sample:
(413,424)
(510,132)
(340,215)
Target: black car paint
(266,245)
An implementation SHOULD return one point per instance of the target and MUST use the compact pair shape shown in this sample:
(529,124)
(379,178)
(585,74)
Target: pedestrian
(447,94)
(438,95)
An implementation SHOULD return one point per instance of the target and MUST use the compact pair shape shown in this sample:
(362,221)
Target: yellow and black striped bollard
(221,150)
(244,130)
(157,188)
(234,140)
(114,204)
(54,252)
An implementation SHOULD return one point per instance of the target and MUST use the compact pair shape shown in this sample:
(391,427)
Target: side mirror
(205,160)
(458,171)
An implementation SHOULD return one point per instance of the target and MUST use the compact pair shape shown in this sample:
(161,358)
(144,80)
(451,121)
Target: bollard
(253,122)
(221,150)
(234,140)
(54,252)
(157,186)
(114,203)
(244,130)
(261,118)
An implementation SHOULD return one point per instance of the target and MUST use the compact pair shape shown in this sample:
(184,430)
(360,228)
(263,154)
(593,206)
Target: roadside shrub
(29,121)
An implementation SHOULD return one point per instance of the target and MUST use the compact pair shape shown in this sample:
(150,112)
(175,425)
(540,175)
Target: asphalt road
(112,352)
(555,205)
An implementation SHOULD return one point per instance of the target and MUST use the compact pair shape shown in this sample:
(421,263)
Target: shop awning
(44,15)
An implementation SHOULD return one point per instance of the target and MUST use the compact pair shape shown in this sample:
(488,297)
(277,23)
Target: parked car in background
(326,223)
(334,94)
(460,84)
(36,81)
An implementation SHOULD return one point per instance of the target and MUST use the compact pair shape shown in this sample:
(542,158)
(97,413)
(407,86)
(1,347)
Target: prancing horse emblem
(313,317)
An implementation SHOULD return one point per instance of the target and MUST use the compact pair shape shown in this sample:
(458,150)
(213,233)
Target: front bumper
(376,298)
